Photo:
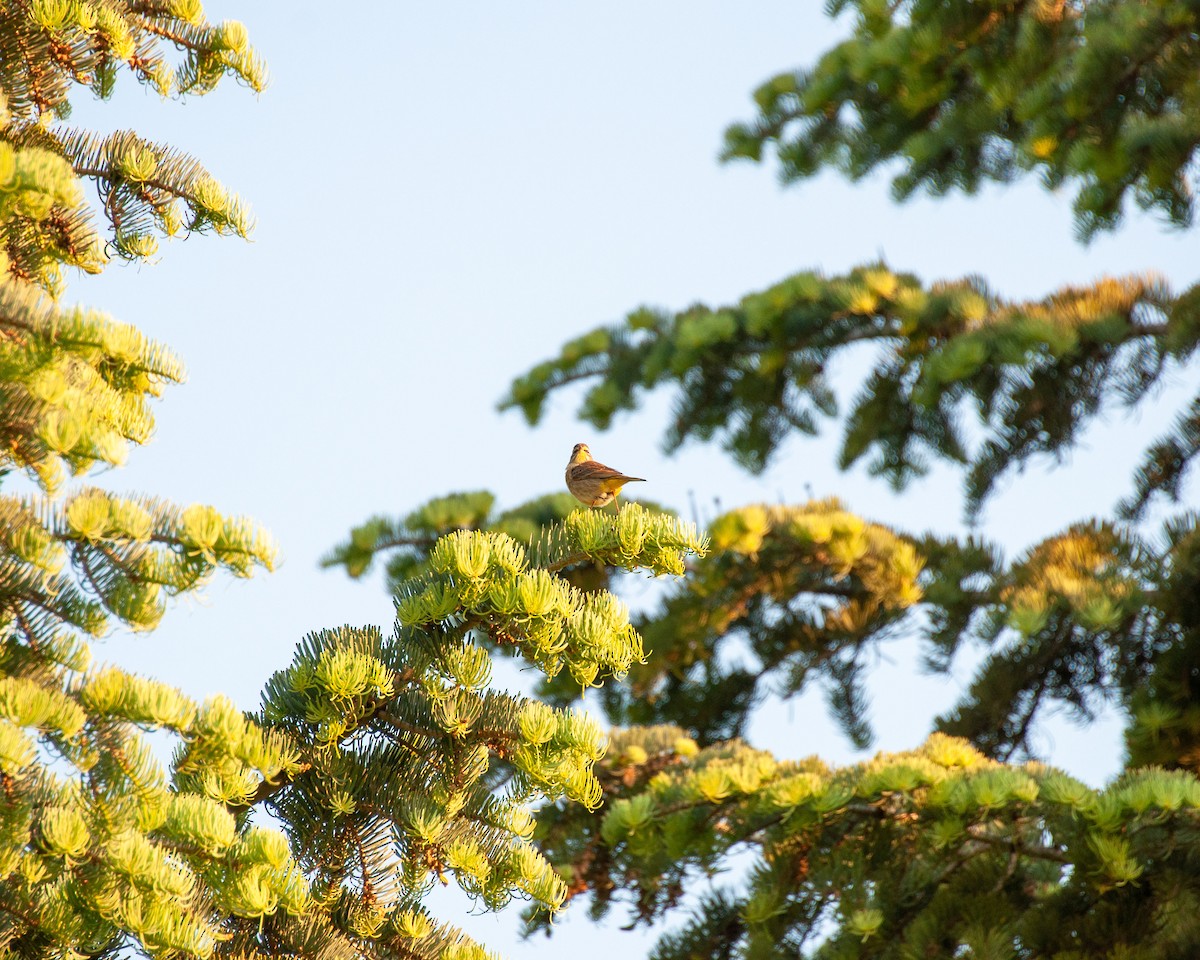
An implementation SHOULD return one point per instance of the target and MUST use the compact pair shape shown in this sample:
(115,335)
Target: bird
(592,483)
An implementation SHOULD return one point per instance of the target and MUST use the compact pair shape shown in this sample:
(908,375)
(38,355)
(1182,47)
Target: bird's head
(580,453)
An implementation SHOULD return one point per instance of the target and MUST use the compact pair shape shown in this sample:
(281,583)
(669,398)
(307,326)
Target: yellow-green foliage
(107,847)
(48,46)
(400,736)
(136,552)
(39,191)
(102,845)
(76,387)
(406,541)
(487,576)
(845,544)
(901,846)
(102,849)
(1085,573)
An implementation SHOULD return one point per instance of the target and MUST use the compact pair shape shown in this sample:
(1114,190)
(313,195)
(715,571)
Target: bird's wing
(610,480)
(591,470)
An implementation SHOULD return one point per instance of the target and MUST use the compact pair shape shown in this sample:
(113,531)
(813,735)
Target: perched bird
(593,483)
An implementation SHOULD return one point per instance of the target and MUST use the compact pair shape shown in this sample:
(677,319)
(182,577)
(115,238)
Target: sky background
(447,193)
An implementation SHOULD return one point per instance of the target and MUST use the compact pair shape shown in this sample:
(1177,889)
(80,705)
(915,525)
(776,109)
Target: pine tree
(98,849)
(387,761)
(965,846)
(897,853)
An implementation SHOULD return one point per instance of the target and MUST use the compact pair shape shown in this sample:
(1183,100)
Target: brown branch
(579,556)
(20,915)
(115,178)
(155,26)
(978,833)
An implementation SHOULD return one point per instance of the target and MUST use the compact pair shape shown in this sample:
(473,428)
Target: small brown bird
(592,483)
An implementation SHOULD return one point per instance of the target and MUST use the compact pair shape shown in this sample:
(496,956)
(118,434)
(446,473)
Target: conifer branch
(754,372)
(1101,99)
(979,834)
(897,830)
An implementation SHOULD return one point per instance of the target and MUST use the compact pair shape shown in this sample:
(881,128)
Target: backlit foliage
(413,769)
(102,849)
(50,47)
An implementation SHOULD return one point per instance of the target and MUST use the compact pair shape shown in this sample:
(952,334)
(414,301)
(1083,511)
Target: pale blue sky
(445,194)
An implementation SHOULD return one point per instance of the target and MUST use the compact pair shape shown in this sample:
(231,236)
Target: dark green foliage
(1035,373)
(1166,463)
(1071,621)
(792,596)
(1165,712)
(1101,94)
(799,593)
